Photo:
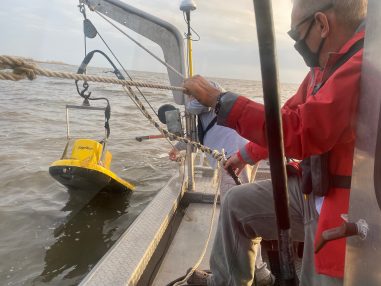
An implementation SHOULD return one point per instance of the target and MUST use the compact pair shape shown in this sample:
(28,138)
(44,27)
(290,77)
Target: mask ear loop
(317,54)
(309,30)
(320,46)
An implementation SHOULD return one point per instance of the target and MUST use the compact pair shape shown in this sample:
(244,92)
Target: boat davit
(88,165)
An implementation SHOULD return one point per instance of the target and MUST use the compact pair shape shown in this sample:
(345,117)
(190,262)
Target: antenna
(190,120)
(187,6)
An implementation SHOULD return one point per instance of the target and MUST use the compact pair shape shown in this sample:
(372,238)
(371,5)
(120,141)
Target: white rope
(216,193)
(214,153)
(23,69)
(144,111)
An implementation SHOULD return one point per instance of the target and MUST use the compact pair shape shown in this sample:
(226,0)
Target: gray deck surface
(190,239)
(124,263)
(127,259)
(191,236)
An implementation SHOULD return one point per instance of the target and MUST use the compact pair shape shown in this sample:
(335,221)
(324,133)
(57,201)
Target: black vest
(201,132)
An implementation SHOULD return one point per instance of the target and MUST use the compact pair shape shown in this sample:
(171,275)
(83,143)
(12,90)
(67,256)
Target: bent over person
(319,128)
(216,138)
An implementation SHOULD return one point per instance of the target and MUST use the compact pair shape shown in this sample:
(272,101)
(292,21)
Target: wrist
(240,158)
(217,105)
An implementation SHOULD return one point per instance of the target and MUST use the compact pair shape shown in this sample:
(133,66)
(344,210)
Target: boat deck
(146,254)
(127,260)
(192,234)
(190,238)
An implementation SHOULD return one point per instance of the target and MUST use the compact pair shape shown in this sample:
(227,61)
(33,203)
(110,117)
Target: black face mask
(311,59)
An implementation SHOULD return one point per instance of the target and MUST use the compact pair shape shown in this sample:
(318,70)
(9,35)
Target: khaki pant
(227,182)
(247,212)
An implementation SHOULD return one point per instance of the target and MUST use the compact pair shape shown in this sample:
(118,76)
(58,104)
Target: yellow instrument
(88,166)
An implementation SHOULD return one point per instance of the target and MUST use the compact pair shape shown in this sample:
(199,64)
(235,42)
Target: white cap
(187,5)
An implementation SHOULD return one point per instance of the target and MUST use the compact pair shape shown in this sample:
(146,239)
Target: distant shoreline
(51,62)
(43,61)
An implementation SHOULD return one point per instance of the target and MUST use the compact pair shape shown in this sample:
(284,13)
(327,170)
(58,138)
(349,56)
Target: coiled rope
(24,69)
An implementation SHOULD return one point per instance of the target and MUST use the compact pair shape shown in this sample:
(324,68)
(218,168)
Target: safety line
(23,69)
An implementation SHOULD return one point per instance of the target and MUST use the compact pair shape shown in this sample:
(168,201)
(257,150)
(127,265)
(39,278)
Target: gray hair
(349,12)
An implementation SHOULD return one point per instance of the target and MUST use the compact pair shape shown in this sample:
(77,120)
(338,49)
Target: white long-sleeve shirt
(218,137)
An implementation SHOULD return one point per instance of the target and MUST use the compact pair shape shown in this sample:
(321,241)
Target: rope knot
(21,68)
(25,71)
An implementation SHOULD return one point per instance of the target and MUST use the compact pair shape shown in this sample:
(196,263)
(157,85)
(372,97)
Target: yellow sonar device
(88,165)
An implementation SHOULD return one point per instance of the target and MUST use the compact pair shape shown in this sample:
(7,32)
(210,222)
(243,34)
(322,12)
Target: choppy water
(49,236)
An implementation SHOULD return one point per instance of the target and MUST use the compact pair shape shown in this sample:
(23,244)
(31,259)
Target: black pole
(266,40)
(187,13)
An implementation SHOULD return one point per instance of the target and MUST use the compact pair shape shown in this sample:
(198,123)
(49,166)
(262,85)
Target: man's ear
(322,24)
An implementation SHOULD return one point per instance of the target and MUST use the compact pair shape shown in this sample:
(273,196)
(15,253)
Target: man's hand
(173,154)
(235,163)
(202,90)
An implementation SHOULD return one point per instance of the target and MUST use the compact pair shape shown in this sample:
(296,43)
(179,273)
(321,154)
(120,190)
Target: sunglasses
(294,33)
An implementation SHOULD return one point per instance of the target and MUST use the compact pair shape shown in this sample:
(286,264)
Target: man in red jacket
(319,128)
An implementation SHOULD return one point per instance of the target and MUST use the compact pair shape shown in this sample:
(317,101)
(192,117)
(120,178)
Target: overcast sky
(52,30)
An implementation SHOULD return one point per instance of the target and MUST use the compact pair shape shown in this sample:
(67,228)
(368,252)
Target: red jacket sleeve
(252,153)
(310,126)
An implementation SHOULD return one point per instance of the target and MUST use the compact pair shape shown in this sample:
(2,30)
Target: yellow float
(88,165)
